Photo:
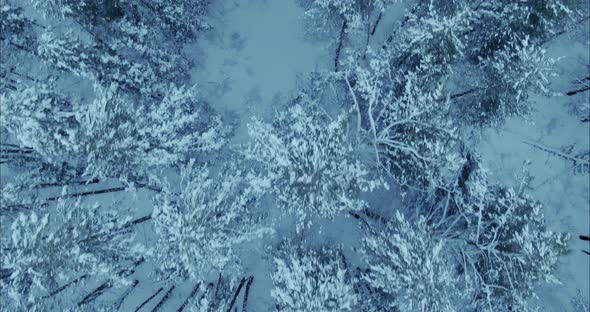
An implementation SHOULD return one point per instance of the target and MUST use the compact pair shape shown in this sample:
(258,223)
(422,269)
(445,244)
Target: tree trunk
(340,44)
(163,300)
(191,295)
(149,299)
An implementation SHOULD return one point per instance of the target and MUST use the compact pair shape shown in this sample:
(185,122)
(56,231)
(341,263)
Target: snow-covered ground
(253,57)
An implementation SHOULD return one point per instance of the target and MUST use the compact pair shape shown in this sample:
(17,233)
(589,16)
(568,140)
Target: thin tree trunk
(163,300)
(52,184)
(574,92)
(96,292)
(15,151)
(358,217)
(149,299)
(190,296)
(109,283)
(103,191)
(376,24)
(97,192)
(246,293)
(15,146)
(62,288)
(236,294)
(340,44)
(119,302)
(218,285)
(120,229)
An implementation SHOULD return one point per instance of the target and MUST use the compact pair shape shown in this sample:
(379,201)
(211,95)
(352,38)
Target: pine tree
(110,137)
(41,119)
(44,251)
(504,82)
(410,269)
(309,163)
(356,13)
(308,280)
(508,248)
(410,131)
(99,64)
(199,229)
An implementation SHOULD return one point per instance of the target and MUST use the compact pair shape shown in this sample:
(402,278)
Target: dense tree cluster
(111,107)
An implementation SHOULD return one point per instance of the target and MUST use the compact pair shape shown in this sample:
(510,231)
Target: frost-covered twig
(577,161)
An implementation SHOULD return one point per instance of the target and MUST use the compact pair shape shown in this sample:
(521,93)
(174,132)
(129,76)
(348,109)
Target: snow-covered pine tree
(99,64)
(309,162)
(398,94)
(410,131)
(111,137)
(409,269)
(505,59)
(309,280)
(120,140)
(500,22)
(506,249)
(199,229)
(17,40)
(359,15)
(179,20)
(41,119)
(502,83)
(43,252)
(432,40)
(143,38)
